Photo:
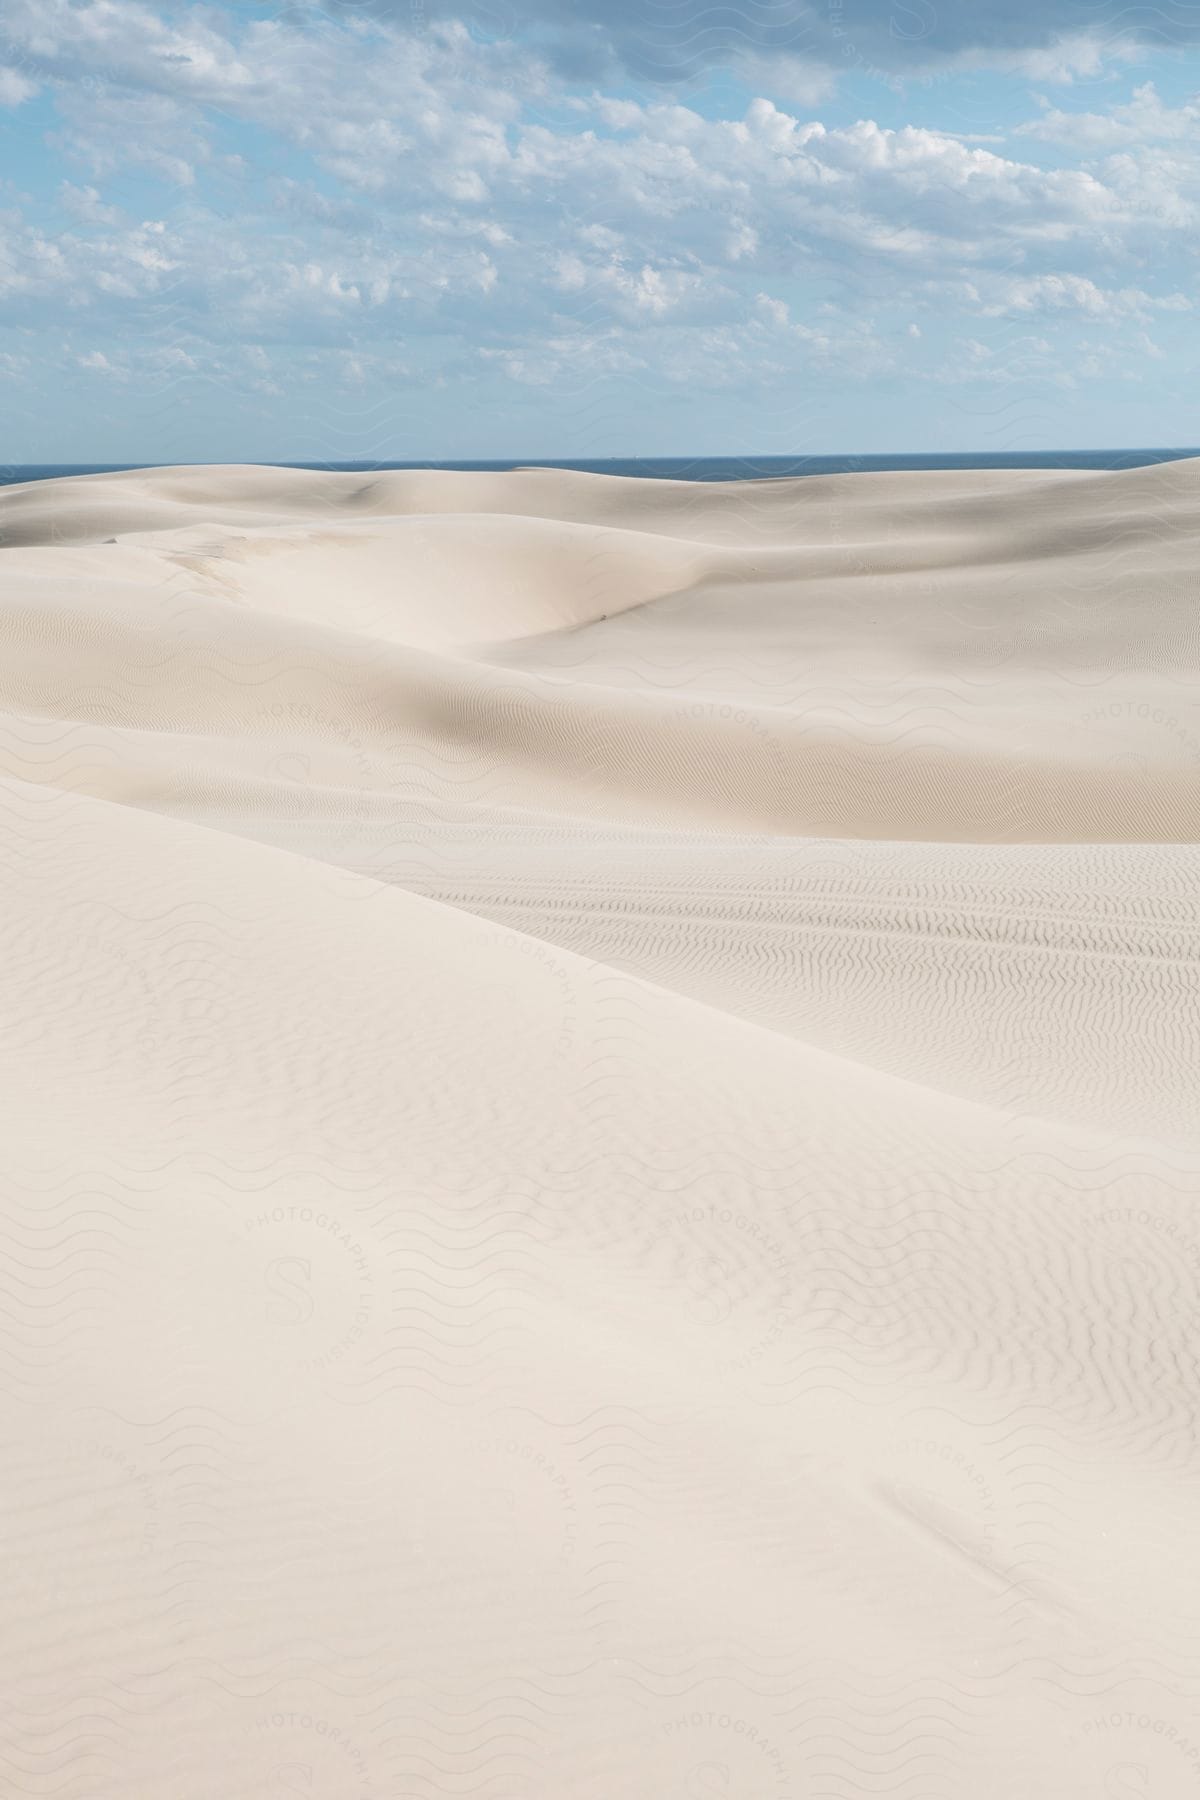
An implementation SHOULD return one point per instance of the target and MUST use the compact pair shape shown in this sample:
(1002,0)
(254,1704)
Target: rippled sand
(603,1136)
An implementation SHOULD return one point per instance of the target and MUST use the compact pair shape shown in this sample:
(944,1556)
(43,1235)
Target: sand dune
(603,1141)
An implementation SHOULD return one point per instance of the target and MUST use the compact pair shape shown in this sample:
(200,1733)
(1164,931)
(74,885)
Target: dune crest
(603,1135)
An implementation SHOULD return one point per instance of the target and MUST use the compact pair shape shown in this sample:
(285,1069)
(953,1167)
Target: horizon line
(624,456)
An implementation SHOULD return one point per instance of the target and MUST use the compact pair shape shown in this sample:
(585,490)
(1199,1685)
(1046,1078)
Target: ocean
(696,468)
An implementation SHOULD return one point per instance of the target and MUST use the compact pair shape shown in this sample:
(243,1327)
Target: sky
(404,229)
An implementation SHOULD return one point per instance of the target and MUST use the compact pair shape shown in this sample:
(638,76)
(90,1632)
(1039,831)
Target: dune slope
(602,1154)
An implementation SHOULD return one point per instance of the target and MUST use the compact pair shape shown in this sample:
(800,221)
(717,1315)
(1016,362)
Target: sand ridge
(602,1145)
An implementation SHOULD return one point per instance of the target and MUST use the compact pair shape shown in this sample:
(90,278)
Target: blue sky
(406,228)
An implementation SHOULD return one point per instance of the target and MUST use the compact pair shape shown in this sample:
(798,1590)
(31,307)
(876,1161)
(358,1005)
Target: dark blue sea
(697,468)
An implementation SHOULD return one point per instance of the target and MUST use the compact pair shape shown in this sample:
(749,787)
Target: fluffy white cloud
(337,185)
(15,87)
(1140,120)
(1066,293)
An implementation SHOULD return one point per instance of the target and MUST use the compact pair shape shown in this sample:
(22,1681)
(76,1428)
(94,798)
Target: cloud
(445,207)
(1016,362)
(86,205)
(338,192)
(1140,120)
(447,122)
(15,87)
(675,40)
(1075,293)
(796,48)
(640,294)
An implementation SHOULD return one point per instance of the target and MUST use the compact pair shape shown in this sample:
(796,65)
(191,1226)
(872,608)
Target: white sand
(603,1141)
